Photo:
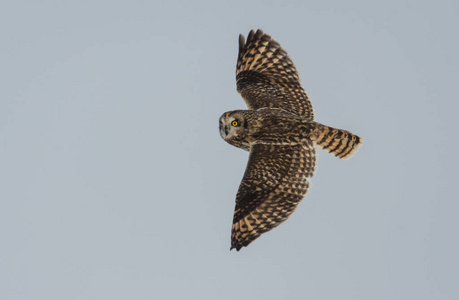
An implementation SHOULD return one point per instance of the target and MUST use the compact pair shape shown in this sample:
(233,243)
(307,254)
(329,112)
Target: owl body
(280,133)
(264,126)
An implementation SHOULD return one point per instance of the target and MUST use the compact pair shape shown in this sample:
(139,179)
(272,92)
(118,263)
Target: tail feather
(341,143)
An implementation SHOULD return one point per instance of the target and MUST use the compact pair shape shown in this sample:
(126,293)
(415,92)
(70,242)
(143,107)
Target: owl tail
(341,143)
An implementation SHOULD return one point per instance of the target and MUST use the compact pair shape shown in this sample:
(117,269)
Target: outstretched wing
(275,181)
(267,77)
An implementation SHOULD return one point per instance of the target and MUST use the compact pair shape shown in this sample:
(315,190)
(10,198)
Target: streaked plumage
(280,133)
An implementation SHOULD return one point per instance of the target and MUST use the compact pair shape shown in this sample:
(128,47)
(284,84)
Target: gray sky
(115,183)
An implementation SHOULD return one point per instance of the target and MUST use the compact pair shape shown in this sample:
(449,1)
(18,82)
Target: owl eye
(234,123)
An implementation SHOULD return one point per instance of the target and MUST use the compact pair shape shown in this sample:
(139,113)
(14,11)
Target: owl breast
(240,143)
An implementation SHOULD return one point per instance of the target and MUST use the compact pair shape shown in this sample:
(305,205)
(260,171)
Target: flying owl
(280,133)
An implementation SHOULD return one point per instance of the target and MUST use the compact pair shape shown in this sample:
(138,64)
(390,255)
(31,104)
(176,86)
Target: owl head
(232,125)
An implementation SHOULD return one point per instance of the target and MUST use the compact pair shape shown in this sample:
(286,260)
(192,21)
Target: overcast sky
(115,183)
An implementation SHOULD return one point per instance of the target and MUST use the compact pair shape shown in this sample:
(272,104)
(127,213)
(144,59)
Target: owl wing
(275,181)
(267,77)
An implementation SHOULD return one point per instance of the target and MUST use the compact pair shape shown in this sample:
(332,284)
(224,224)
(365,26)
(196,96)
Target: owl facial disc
(229,126)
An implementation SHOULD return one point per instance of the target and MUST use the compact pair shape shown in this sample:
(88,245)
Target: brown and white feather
(267,77)
(274,182)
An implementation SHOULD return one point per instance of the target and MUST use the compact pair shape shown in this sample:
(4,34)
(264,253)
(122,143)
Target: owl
(280,134)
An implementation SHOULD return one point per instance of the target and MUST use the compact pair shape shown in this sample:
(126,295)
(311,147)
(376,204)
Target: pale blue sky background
(115,183)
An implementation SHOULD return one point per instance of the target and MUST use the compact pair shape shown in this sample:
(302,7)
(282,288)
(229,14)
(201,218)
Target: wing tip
(251,37)
(241,43)
(238,245)
(258,34)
